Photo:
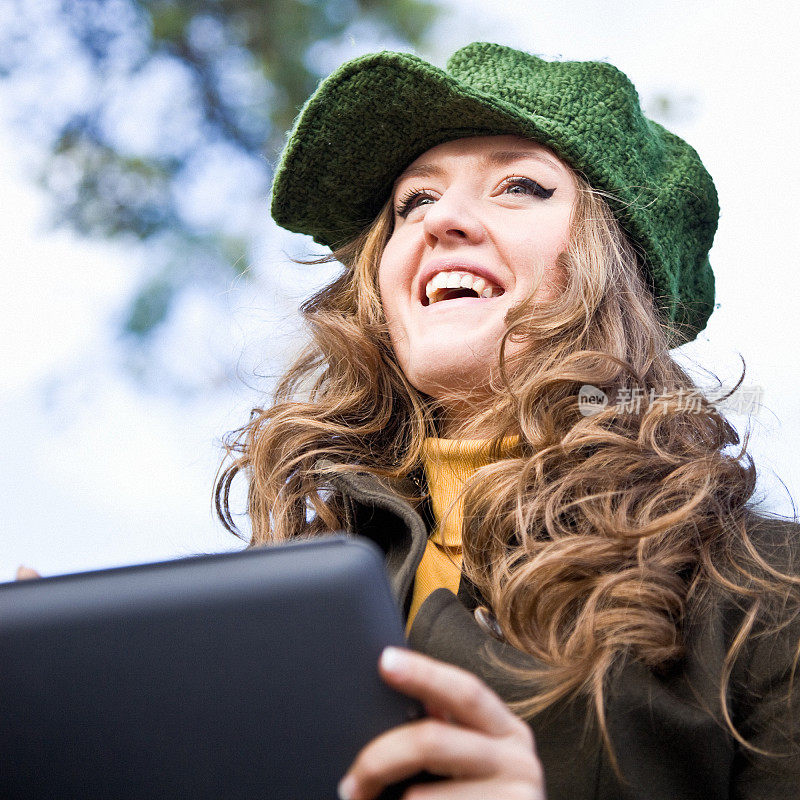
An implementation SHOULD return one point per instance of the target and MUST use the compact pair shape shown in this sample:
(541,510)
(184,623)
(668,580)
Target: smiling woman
(475,234)
(515,231)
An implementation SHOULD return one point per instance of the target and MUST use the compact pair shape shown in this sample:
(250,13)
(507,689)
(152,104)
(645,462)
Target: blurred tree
(158,121)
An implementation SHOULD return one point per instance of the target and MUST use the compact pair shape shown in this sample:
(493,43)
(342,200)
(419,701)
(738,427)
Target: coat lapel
(377,511)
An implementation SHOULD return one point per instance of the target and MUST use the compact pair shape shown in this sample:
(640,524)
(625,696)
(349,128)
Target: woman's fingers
(428,745)
(473,790)
(454,693)
(26,573)
(477,765)
(475,740)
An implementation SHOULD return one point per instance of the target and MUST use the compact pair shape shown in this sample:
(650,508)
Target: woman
(517,236)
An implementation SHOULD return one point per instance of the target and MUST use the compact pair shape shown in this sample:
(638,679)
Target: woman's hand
(471,737)
(26,573)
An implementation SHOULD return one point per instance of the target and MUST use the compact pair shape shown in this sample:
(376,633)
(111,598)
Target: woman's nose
(452,218)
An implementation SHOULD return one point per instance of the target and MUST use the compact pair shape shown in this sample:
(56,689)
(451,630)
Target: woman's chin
(453,381)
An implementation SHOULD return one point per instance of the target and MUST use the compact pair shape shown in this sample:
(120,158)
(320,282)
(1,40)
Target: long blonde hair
(602,531)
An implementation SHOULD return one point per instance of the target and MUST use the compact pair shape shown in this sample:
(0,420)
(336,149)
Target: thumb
(25,573)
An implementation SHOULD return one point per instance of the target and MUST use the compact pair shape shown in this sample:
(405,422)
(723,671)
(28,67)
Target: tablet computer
(243,675)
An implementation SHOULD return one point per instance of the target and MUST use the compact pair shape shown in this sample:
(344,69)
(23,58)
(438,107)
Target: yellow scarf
(449,464)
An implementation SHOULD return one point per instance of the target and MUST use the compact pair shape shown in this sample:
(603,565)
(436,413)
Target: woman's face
(478,225)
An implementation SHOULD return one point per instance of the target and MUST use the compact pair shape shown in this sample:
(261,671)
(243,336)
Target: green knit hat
(374,115)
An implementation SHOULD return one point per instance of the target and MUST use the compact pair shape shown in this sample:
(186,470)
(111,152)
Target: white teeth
(439,281)
(460,280)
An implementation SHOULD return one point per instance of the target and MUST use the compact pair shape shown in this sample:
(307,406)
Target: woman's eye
(414,198)
(526,186)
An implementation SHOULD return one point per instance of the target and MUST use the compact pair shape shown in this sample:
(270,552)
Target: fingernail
(346,788)
(393,659)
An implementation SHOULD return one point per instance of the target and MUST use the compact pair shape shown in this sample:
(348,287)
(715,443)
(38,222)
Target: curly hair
(601,530)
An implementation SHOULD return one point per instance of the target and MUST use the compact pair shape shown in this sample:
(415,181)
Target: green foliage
(124,157)
(150,307)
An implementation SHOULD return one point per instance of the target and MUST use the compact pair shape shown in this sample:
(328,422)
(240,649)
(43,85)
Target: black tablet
(243,675)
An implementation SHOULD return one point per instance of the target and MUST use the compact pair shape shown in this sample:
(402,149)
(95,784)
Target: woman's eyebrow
(503,157)
(421,171)
(496,158)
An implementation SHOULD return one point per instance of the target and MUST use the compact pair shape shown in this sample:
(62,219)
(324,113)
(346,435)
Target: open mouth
(452,284)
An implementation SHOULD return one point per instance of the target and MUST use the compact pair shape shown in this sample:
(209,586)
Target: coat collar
(377,509)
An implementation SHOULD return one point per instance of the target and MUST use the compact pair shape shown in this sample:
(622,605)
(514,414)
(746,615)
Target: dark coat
(665,728)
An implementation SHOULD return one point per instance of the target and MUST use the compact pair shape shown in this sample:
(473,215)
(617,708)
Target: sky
(99,470)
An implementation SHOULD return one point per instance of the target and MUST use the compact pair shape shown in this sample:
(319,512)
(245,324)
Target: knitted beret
(374,115)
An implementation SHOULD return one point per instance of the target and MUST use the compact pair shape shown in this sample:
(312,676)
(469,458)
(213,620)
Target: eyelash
(405,203)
